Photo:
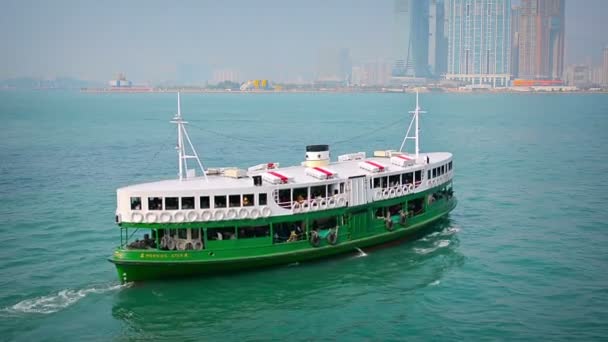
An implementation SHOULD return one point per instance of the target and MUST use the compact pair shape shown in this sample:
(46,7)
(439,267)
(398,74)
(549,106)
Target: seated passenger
(300,199)
(293,236)
(246,202)
(147,242)
(219,236)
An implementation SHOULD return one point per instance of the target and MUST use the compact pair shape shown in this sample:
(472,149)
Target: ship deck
(297,174)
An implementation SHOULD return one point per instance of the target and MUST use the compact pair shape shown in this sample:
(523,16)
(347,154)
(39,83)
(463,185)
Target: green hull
(360,228)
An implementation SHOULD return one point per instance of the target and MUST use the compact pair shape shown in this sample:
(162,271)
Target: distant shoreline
(340,91)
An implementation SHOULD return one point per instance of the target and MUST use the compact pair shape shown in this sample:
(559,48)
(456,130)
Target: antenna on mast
(416,137)
(183,155)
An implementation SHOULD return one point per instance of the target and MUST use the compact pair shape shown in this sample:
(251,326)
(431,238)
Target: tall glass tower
(411,38)
(479,41)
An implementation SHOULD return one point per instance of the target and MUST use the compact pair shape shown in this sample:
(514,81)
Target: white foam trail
(450,231)
(437,245)
(361,252)
(61,300)
(435,283)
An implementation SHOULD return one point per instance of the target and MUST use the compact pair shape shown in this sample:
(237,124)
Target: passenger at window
(246,202)
(293,236)
(300,199)
(219,236)
(428,160)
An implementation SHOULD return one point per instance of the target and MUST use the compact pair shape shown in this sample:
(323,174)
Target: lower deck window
(415,207)
(325,223)
(224,233)
(254,232)
(288,231)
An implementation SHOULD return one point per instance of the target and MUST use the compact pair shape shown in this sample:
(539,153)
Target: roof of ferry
(344,170)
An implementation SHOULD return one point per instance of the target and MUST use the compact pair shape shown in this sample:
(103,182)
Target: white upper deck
(221,183)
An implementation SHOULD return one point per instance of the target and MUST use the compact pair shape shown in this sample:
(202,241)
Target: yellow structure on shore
(257,85)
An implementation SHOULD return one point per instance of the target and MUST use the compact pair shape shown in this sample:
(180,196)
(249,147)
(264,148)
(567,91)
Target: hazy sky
(154,41)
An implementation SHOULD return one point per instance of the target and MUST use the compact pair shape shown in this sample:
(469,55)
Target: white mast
(416,137)
(182,155)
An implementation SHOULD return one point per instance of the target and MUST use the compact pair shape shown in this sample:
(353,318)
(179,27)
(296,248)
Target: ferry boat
(231,219)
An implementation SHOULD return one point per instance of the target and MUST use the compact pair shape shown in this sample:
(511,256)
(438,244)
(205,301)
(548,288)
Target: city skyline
(151,42)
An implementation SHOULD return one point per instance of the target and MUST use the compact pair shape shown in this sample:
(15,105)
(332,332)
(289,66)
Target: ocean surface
(524,256)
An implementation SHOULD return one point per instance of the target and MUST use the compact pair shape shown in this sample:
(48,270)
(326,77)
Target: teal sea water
(524,256)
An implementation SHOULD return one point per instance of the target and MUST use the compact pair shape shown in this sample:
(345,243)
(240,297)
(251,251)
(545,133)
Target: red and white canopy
(320,172)
(402,160)
(275,177)
(372,166)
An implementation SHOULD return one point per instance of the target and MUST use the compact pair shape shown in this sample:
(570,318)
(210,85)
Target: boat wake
(437,245)
(361,253)
(58,301)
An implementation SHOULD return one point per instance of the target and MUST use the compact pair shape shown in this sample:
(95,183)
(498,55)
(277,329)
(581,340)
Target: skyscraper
(479,41)
(438,43)
(410,34)
(515,15)
(541,39)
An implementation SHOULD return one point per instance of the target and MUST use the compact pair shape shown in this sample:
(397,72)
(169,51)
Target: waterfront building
(411,38)
(605,68)
(223,75)
(334,66)
(479,41)
(578,75)
(373,73)
(541,39)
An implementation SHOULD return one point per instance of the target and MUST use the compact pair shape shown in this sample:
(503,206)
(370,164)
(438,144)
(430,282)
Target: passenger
(293,236)
(300,199)
(428,161)
(246,202)
(138,206)
(219,236)
(147,242)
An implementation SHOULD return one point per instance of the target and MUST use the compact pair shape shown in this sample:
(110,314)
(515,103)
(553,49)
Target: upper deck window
(155,203)
(407,178)
(393,180)
(205,204)
(135,203)
(434,172)
(234,201)
(262,199)
(450,166)
(187,203)
(248,200)
(318,191)
(428,176)
(300,195)
(418,176)
(171,203)
(219,201)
